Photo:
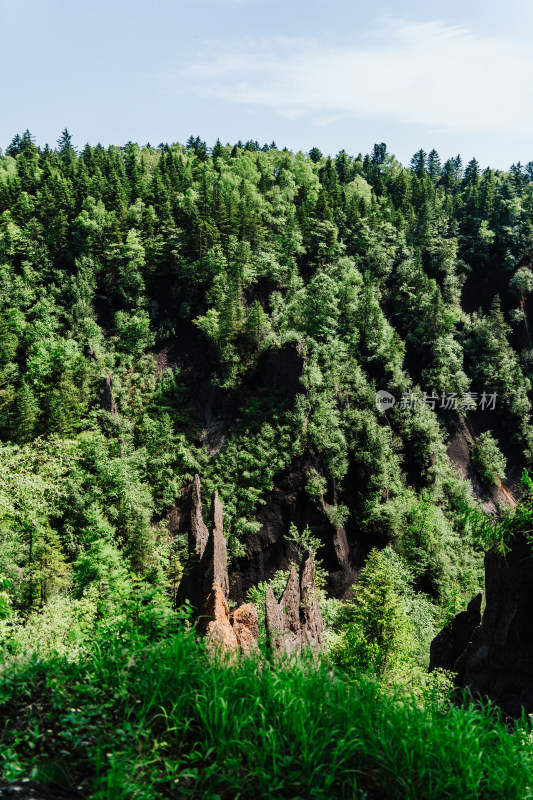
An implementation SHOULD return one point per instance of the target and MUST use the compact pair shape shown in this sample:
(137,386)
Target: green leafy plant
(376,632)
(337,515)
(135,715)
(488,459)
(315,485)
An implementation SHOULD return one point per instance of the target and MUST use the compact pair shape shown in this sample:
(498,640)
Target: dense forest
(232,312)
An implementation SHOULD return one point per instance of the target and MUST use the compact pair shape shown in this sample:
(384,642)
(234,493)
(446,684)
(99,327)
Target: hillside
(233,312)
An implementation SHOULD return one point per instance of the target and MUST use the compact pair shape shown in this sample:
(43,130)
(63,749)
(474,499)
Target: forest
(236,312)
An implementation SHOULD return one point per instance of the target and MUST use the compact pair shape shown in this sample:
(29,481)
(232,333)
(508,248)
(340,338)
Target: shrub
(316,485)
(337,515)
(377,633)
(488,459)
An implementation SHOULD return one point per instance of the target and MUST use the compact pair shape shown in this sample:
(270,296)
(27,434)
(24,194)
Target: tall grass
(144,718)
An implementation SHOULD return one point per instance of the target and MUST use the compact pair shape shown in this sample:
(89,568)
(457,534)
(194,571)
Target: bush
(377,633)
(150,715)
(488,459)
(337,515)
(316,485)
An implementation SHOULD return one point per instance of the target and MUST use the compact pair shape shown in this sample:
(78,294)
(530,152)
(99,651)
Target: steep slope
(232,312)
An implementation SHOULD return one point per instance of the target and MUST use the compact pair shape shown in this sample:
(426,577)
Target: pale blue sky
(456,76)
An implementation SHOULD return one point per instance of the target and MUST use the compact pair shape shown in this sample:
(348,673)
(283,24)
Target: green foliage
(316,485)
(495,368)
(522,281)
(337,515)
(376,633)
(5,601)
(488,459)
(133,332)
(232,312)
(247,465)
(513,522)
(141,710)
(257,594)
(63,628)
(303,540)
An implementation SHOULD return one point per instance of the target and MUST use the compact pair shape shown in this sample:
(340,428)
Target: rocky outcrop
(463,431)
(282,620)
(311,623)
(343,551)
(198,533)
(453,639)
(214,561)
(291,624)
(106,396)
(214,621)
(208,558)
(233,632)
(245,627)
(498,660)
(205,583)
(192,586)
(296,621)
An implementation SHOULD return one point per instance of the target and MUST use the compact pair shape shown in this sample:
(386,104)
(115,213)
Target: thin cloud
(430,73)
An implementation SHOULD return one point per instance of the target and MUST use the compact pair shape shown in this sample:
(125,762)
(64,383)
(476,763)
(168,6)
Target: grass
(146,715)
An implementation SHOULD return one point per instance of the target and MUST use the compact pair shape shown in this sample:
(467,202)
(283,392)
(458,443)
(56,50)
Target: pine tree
(14,148)
(217,150)
(419,163)
(315,155)
(66,151)
(433,165)
(379,154)
(377,633)
(26,413)
(471,174)
(257,325)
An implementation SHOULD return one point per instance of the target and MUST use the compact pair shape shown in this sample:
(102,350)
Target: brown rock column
(296,620)
(274,621)
(214,622)
(198,533)
(312,624)
(245,626)
(214,563)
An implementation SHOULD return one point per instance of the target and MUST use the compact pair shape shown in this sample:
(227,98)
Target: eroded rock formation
(191,588)
(343,550)
(214,561)
(214,620)
(205,583)
(230,632)
(106,396)
(497,660)
(311,622)
(296,620)
(291,624)
(455,637)
(198,533)
(245,627)
(282,620)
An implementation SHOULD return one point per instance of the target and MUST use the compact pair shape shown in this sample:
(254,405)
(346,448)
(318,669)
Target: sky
(332,74)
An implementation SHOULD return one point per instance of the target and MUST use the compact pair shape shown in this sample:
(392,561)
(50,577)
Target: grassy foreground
(146,714)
